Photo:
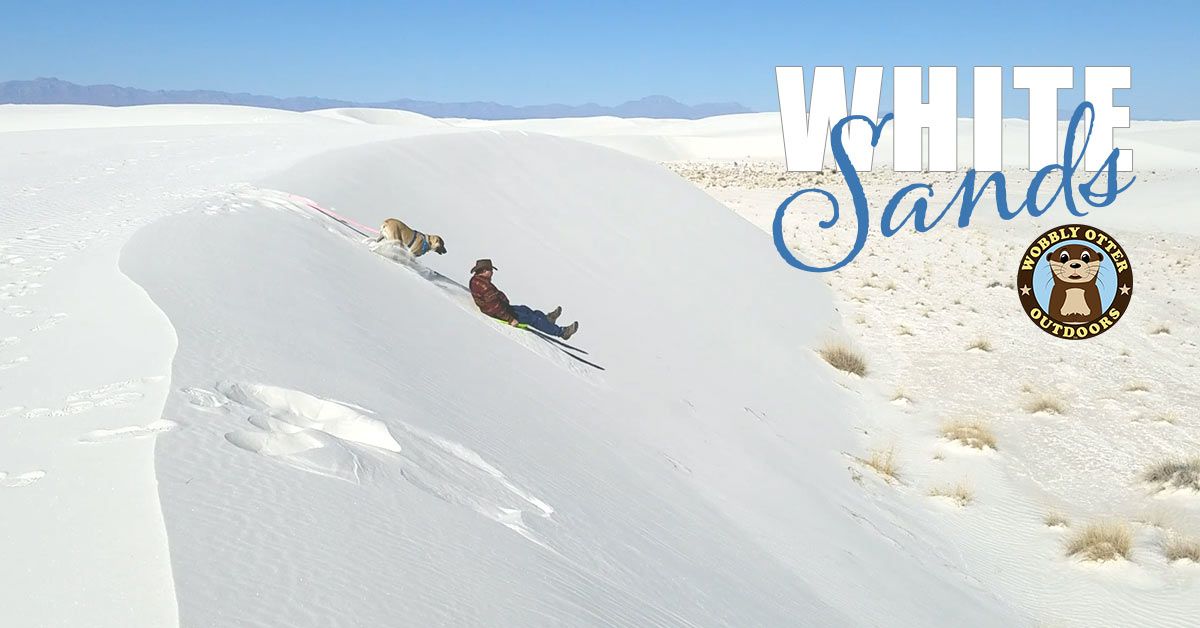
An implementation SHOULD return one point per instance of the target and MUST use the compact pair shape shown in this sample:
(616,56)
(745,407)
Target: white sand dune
(738,136)
(759,136)
(50,117)
(223,409)
(378,116)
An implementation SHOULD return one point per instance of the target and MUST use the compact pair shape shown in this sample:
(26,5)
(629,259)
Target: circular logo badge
(1075,281)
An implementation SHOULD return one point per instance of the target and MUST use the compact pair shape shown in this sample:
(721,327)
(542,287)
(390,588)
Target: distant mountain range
(45,91)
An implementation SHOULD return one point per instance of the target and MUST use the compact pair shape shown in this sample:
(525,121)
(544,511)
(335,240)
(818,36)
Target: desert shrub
(1055,519)
(1175,474)
(843,358)
(1101,542)
(982,344)
(960,493)
(1176,547)
(883,461)
(1045,402)
(1169,416)
(970,434)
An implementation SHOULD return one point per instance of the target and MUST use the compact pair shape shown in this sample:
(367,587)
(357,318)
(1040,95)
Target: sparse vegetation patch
(1102,542)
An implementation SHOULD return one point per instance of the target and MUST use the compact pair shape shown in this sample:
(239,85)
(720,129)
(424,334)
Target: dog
(1075,297)
(416,242)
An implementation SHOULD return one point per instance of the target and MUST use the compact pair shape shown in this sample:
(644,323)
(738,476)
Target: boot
(553,315)
(570,330)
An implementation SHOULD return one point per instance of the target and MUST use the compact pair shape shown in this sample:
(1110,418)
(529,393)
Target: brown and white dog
(416,242)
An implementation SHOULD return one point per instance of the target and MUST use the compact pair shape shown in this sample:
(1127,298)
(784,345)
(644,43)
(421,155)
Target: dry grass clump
(1101,542)
(1177,547)
(970,434)
(1169,416)
(1137,387)
(883,461)
(1045,402)
(1055,519)
(960,493)
(981,344)
(1183,474)
(843,358)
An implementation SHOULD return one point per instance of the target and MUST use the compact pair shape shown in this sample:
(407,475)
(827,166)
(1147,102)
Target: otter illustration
(1075,297)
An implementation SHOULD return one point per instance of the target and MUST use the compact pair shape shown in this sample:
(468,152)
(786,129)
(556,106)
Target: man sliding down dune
(494,303)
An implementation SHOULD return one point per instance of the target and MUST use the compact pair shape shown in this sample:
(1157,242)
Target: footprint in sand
(114,394)
(203,399)
(50,322)
(76,407)
(20,479)
(17,311)
(677,465)
(119,399)
(18,289)
(129,432)
(8,364)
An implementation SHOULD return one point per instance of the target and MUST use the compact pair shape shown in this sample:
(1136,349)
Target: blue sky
(575,52)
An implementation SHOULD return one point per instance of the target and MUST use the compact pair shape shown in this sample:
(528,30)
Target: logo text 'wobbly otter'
(854,138)
(1055,236)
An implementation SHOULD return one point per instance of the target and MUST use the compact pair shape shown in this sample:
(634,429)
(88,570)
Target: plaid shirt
(490,299)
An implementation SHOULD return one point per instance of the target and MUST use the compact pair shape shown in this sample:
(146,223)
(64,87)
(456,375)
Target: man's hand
(514,322)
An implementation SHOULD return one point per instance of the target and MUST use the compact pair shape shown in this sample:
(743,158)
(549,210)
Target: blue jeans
(536,319)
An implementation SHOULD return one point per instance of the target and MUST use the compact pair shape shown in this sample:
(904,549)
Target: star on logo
(1125,289)
(1024,291)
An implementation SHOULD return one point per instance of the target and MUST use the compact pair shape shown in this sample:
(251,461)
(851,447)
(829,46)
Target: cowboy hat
(482,265)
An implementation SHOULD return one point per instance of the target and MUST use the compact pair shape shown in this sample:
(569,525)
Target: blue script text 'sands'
(966,197)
